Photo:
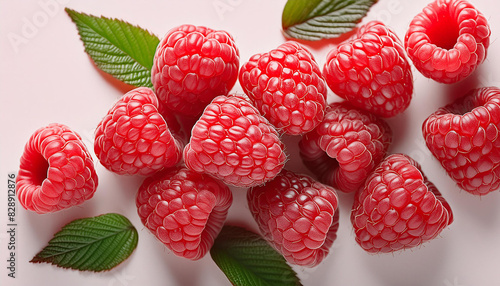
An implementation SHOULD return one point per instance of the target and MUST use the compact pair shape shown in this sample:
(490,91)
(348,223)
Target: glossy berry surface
(133,138)
(191,66)
(464,137)
(345,147)
(287,87)
(398,208)
(56,170)
(371,71)
(448,40)
(184,210)
(297,215)
(234,143)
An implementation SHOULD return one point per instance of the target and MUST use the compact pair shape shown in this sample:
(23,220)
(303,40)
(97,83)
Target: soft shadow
(44,226)
(412,267)
(184,271)
(461,88)
(400,126)
(321,44)
(346,200)
(118,84)
(482,210)
(294,161)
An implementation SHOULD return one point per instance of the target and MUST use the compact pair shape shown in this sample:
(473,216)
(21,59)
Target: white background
(45,77)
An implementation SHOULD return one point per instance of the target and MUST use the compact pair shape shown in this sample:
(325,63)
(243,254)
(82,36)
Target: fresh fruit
(232,142)
(184,210)
(371,71)
(133,138)
(448,40)
(345,147)
(463,136)
(56,170)
(287,87)
(398,208)
(297,215)
(191,66)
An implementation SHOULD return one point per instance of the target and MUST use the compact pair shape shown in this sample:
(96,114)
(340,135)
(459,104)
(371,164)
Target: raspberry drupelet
(185,210)
(371,71)
(287,87)
(297,215)
(134,138)
(56,170)
(234,143)
(345,147)
(192,65)
(398,208)
(448,40)
(464,137)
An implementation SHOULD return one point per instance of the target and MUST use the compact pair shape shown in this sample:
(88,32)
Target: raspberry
(345,147)
(463,136)
(287,87)
(133,138)
(448,40)
(398,208)
(191,66)
(297,215)
(234,143)
(184,210)
(371,71)
(56,170)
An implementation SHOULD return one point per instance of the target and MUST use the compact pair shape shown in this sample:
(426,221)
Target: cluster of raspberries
(236,139)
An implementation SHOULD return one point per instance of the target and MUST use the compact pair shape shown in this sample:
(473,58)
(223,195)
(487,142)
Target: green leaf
(247,259)
(94,244)
(117,47)
(322,19)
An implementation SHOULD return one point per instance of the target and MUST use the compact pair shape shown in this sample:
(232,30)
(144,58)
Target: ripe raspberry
(464,137)
(371,71)
(56,170)
(448,40)
(234,143)
(287,87)
(133,138)
(191,66)
(398,208)
(184,210)
(297,215)
(355,141)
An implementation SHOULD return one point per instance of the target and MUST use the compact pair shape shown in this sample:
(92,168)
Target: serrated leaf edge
(332,29)
(72,13)
(130,229)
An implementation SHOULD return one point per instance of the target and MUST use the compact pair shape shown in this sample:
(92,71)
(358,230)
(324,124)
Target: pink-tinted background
(45,77)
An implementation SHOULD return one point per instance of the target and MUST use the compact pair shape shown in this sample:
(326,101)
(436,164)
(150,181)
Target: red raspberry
(133,138)
(398,208)
(297,215)
(287,87)
(464,137)
(234,143)
(371,71)
(56,171)
(192,65)
(448,40)
(184,210)
(355,141)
